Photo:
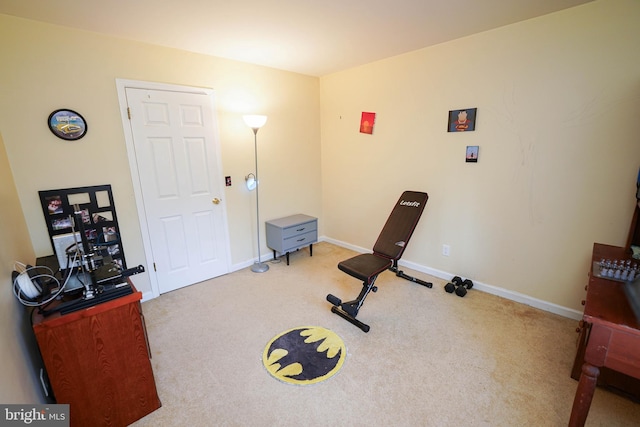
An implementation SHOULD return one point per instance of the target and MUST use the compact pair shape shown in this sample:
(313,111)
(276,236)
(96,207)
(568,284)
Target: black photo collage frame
(99,217)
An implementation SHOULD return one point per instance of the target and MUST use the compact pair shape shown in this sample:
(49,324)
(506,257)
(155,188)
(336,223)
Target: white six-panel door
(175,152)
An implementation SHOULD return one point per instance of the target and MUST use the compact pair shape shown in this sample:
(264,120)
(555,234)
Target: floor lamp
(256,122)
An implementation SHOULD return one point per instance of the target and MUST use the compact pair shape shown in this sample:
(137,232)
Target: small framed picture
(67,124)
(367,121)
(462,120)
(54,205)
(61,223)
(472,154)
(99,217)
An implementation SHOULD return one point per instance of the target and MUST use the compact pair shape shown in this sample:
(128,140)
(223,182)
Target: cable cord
(26,291)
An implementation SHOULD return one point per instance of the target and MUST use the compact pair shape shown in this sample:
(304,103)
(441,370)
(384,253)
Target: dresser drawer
(299,229)
(300,240)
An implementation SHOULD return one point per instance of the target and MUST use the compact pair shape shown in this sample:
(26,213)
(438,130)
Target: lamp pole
(258,267)
(256,122)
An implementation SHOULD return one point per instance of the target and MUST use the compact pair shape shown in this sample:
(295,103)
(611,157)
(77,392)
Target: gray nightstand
(290,233)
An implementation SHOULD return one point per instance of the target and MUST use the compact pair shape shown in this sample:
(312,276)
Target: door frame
(122,85)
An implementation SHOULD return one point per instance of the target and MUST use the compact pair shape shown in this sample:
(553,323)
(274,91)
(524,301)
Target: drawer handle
(302,240)
(300,229)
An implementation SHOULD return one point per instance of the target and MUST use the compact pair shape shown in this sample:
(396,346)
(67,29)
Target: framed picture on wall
(472,154)
(367,121)
(462,120)
(67,124)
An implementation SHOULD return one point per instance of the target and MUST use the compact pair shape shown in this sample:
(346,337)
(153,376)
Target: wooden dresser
(608,352)
(98,362)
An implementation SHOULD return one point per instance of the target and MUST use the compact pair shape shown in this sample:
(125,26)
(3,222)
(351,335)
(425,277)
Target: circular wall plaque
(67,124)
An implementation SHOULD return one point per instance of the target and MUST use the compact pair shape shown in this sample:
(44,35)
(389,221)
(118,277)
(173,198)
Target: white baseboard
(241,265)
(445,275)
(490,289)
(146,296)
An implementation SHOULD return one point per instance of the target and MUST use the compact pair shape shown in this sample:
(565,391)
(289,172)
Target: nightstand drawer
(299,229)
(300,240)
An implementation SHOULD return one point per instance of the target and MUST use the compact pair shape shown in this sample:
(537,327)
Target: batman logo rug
(304,355)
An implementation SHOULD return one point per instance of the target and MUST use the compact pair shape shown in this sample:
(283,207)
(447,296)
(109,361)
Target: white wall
(557,98)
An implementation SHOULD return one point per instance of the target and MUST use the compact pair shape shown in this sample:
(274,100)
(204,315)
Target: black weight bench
(386,252)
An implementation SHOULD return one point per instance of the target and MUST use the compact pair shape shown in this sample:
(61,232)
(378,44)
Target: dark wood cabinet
(98,362)
(608,352)
(606,301)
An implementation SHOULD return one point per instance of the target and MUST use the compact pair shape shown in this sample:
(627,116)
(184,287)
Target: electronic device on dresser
(89,265)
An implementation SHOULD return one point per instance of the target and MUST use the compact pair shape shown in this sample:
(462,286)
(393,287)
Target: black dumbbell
(451,286)
(462,289)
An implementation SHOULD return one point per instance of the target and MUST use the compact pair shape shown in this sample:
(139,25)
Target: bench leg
(349,310)
(350,319)
(401,273)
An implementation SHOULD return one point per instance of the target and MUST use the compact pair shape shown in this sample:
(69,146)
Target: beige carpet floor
(430,359)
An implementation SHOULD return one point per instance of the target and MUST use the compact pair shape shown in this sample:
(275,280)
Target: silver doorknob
(216,201)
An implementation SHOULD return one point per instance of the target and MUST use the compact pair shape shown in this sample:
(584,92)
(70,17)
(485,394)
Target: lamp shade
(254,121)
(251,182)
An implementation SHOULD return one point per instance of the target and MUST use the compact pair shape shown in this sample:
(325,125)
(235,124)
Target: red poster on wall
(366,122)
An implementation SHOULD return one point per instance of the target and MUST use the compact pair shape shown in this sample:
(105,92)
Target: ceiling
(313,37)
